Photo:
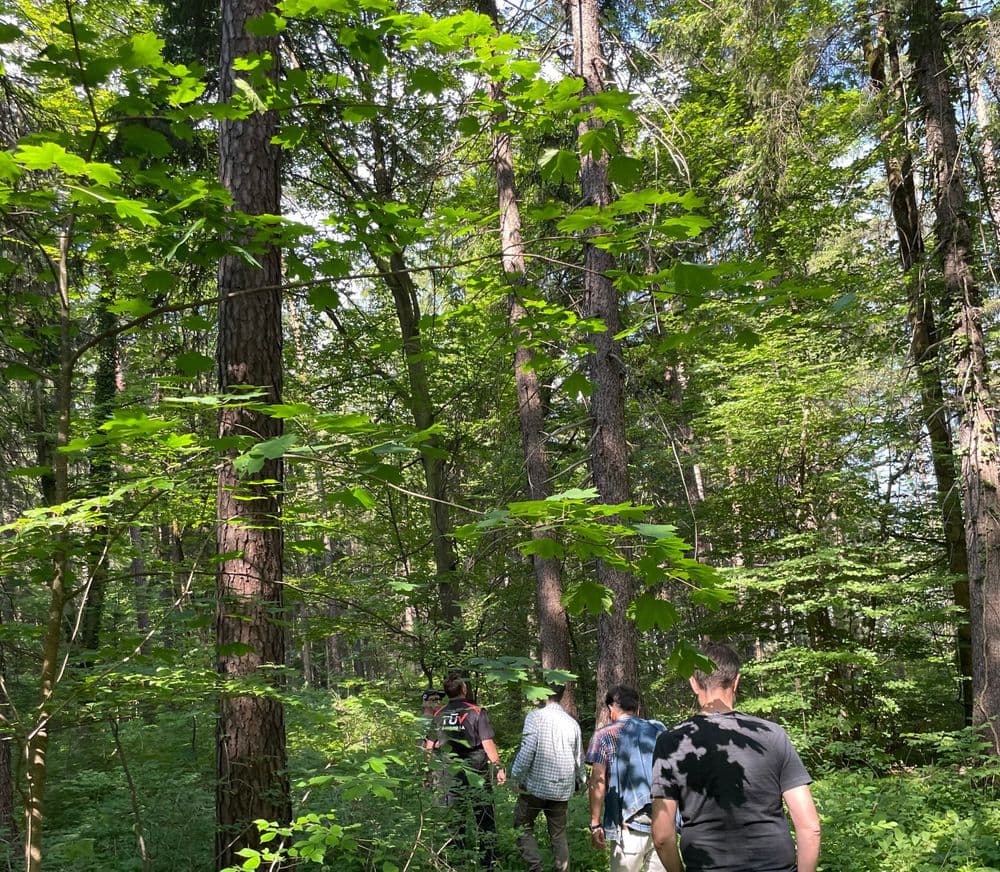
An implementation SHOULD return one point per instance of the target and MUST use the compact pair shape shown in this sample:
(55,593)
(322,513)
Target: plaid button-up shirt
(549,764)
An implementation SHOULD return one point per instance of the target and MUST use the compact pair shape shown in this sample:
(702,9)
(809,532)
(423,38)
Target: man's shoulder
(608,731)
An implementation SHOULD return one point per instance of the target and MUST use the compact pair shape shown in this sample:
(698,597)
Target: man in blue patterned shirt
(548,768)
(621,756)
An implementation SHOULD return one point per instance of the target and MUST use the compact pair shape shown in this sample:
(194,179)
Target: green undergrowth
(364,800)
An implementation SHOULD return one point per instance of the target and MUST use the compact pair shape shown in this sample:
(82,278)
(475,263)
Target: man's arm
(597,788)
(493,755)
(665,834)
(807,829)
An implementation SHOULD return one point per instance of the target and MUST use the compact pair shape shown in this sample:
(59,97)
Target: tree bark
(553,623)
(925,338)
(617,639)
(251,756)
(977,439)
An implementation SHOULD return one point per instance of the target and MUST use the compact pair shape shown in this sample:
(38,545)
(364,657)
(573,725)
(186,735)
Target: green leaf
(469,125)
(574,493)
(145,50)
(19,372)
(9,33)
(656,531)
(265,24)
(650,611)
(598,141)
(356,114)
(323,297)
(137,212)
(274,448)
(192,362)
(588,596)
(559,165)
(140,139)
(428,81)
(577,384)
(543,546)
(684,659)
(625,171)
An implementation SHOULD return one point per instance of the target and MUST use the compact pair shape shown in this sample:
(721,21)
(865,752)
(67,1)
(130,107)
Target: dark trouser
(527,809)
(471,790)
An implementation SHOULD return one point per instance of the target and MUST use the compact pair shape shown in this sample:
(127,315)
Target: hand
(597,838)
(501,775)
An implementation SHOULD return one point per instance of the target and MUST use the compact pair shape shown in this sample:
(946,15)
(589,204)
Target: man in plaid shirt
(548,768)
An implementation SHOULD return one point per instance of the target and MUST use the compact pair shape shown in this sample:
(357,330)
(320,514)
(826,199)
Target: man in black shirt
(727,773)
(463,735)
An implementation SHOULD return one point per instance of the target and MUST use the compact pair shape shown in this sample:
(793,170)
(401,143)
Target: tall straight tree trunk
(398,279)
(924,335)
(977,436)
(36,745)
(553,625)
(251,756)
(617,640)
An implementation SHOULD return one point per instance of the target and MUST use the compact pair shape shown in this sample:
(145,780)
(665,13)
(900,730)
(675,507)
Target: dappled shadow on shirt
(703,758)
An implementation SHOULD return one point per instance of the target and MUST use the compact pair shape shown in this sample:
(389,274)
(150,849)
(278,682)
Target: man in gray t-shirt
(727,774)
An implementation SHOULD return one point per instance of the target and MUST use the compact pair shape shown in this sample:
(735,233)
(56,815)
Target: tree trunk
(977,417)
(553,624)
(251,756)
(407,303)
(924,336)
(617,640)
(137,569)
(36,745)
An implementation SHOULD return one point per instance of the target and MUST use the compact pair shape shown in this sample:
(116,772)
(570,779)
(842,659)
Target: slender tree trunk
(251,756)
(37,744)
(617,639)
(553,624)
(407,303)
(977,437)
(137,569)
(925,338)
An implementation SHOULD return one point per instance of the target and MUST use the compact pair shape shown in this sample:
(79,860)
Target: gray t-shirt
(727,773)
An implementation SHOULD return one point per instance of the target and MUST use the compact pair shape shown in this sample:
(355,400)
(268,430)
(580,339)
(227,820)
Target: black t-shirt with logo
(728,772)
(459,728)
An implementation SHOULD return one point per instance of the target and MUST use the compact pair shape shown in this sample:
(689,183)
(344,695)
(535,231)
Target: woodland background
(346,342)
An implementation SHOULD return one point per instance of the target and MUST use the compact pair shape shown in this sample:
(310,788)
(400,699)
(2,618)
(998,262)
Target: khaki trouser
(634,852)
(527,809)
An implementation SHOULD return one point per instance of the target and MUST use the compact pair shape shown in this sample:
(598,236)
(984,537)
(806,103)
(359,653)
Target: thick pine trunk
(553,625)
(617,640)
(977,437)
(251,757)
(925,336)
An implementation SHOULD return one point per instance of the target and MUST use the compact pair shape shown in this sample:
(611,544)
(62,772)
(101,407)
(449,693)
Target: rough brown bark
(553,624)
(925,336)
(617,640)
(977,437)
(251,756)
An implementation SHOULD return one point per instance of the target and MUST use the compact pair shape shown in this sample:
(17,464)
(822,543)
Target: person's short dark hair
(454,685)
(556,692)
(727,667)
(432,695)
(626,698)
